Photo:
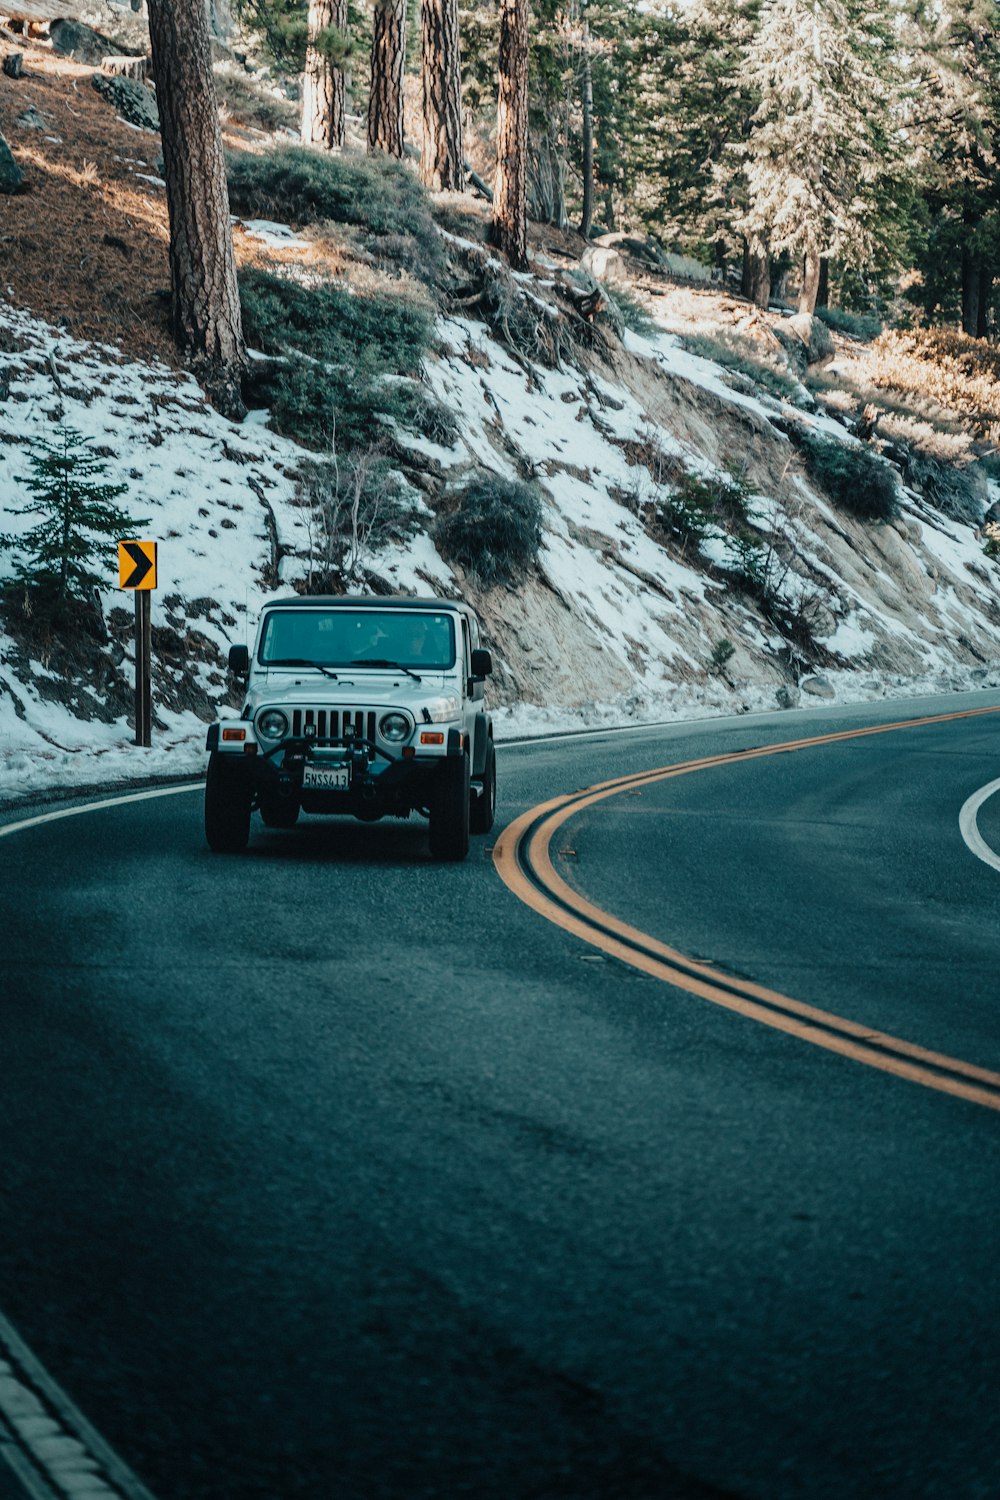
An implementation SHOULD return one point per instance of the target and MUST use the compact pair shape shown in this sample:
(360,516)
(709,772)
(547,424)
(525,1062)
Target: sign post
(137,571)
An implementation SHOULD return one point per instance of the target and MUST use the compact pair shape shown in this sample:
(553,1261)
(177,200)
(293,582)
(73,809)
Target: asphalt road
(331,1172)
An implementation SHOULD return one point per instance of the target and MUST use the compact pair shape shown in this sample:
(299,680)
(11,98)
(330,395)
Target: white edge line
(970,829)
(24,1471)
(25,1364)
(72,812)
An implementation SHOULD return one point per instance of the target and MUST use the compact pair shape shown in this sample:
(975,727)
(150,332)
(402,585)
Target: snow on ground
(614,629)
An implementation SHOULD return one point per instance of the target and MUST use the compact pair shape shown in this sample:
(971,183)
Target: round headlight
(272,724)
(394,727)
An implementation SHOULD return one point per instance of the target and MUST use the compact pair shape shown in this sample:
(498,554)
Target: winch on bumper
(348,774)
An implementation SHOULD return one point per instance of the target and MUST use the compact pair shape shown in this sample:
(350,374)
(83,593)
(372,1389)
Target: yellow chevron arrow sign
(137,565)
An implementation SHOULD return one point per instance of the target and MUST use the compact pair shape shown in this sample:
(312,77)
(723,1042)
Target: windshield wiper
(380,661)
(300,661)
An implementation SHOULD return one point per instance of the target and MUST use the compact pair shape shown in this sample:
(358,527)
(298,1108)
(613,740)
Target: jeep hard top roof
(367,601)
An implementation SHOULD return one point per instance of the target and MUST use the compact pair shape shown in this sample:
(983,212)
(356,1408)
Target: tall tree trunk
(509,230)
(385,102)
(986,279)
(205,303)
(810,281)
(442,161)
(324,86)
(756,273)
(823,290)
(970,293)
(587,90)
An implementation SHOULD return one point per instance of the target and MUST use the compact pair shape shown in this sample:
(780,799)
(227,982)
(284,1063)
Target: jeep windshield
(373,638)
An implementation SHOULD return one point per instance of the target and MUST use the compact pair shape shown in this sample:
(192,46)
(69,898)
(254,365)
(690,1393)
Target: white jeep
(371,707)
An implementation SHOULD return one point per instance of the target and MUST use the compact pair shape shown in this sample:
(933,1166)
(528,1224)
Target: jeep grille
(332,723)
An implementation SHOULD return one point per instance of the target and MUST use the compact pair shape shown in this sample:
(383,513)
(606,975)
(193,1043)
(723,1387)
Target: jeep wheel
(278,811)
(227,807)
(484,807)
(449,810)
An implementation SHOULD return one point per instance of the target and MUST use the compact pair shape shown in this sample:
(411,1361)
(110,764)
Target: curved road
(330,1172)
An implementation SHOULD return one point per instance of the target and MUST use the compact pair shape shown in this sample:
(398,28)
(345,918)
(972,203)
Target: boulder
(793,348)
(787,697)
(133,101)
(805,340)
(644,249)
(81,43)
(818,686)
(816,336)
(11,175)
(604,263)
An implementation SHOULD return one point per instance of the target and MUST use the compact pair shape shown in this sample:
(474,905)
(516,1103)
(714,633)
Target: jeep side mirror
(482,664)
(239,661)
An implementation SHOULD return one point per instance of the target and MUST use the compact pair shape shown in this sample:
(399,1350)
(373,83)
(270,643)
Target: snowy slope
(614,626)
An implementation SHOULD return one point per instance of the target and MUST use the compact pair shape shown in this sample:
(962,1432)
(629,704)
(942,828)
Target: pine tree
(279,27)
(324,90)
(956,124)
(699,190)
(442,162)
(509,229)
(822,147)
(204,305)
(385,100)
(78,521)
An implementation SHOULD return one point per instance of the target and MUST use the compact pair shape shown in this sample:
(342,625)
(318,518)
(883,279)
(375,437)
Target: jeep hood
(358,691)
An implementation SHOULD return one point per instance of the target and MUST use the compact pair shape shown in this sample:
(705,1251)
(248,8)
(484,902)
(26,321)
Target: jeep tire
(484,806)
(227,806)
(449,809)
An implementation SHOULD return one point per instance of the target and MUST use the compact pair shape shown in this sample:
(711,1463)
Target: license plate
(326,778)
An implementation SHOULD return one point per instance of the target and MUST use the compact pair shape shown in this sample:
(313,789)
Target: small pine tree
(78,521)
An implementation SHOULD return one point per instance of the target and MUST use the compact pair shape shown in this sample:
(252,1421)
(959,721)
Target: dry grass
(945,367)
(84,246)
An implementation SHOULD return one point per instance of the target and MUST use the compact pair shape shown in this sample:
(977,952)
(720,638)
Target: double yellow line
(523,860)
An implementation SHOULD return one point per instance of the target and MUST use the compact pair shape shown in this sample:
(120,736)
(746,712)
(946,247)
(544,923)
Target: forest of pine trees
(829,151)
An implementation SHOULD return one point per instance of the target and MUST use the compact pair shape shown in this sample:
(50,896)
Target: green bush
(344,355)
(696,504)
(722,652)
(435,421)
(495,530)
(855,478)
(858,325)
(380,200)
(734,353)
(298,185)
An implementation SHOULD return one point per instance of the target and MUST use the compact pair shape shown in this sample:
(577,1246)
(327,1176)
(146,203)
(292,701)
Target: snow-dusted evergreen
(821,152)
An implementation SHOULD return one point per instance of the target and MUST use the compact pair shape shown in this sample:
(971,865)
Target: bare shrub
(356,507)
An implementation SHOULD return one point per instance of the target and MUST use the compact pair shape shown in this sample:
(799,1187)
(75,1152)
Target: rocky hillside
(660,501)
